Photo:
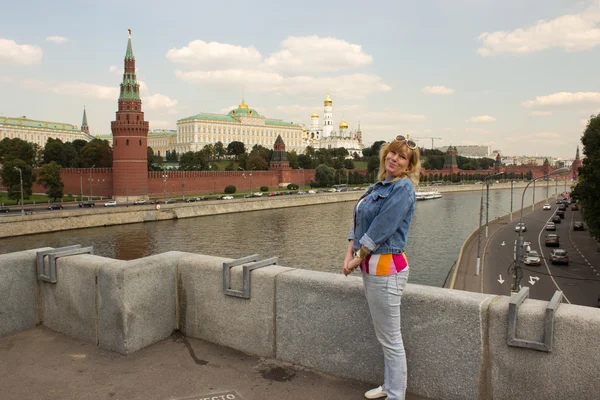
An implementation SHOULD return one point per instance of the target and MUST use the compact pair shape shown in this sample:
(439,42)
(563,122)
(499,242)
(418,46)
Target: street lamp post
(516,273)
(478,265)
(165,176)
(91,181)
(21,177)
(244,175)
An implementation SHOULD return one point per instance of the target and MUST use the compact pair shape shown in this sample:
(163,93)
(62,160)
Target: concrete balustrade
(455,341)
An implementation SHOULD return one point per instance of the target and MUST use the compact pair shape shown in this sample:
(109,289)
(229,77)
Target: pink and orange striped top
(383,264)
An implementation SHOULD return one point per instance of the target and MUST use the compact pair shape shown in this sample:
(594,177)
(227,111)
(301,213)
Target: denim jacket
(382,220)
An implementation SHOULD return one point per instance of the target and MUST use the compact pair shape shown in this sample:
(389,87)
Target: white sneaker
(376,393)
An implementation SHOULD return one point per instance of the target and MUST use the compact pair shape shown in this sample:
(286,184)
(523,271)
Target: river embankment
(63,220)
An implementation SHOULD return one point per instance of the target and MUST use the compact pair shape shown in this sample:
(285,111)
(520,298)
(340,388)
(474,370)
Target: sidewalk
(42,364)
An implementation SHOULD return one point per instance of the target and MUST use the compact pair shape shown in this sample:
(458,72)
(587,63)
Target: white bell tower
(327,117)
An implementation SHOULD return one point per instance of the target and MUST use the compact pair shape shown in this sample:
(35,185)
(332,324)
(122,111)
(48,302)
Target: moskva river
(310,237)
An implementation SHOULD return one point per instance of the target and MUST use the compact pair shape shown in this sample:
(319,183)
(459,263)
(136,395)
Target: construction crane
(429,137)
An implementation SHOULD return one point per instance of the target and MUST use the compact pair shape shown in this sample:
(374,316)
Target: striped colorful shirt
(383,264)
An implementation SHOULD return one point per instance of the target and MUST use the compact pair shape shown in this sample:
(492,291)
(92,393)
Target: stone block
(323,322)
(444,334)
(207,313)
(137,302)
(18,292)
(69,305)
(569,371)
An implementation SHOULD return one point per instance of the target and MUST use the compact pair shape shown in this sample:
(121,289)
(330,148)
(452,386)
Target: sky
(519,76)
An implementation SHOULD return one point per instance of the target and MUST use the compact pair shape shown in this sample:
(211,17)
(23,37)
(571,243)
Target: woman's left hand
(352,265)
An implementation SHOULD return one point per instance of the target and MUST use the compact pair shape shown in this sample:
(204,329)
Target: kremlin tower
(130,138)
(575,167)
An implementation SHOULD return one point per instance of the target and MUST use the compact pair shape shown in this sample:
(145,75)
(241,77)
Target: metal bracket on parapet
(513,309)
(250,263)
(52,255)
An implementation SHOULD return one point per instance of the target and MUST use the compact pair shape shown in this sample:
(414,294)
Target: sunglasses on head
(409,143)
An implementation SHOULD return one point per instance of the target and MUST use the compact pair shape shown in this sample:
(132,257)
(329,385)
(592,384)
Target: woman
(381,221)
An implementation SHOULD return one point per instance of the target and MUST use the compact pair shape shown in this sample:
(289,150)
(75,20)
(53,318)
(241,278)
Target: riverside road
(579,281)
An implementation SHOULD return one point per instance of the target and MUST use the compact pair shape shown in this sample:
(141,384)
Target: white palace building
(246,125)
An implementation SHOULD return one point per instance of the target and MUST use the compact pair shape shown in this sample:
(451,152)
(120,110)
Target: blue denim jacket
(381,222)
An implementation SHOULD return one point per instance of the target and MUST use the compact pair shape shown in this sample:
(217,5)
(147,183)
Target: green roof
(246,112)
(211,117)
(278,122)
(162,133)
(129,53)
(233,116)
(31,123)
(84,121)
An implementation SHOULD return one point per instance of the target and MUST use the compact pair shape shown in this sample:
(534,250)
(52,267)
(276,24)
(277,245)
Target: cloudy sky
(518,75)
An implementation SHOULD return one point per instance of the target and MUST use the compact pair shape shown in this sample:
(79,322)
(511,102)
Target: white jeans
(384,295)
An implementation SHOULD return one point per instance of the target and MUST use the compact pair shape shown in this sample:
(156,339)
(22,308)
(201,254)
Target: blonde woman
(382,219)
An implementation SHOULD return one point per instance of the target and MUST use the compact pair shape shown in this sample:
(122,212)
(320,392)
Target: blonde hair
(413,170)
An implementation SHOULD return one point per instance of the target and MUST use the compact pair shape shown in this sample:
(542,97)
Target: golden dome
(328,100)
(315,115)
(243,105)
(343,124)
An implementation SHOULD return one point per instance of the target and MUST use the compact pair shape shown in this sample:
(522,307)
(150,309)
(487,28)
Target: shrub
(264,188)
(230,189)
(292,186)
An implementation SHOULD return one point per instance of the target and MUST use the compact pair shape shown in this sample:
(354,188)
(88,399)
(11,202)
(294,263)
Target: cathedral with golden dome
(321,135)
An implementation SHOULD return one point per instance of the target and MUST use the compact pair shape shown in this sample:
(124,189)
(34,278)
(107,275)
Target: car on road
(559,256)
(112,203)
(556,219)
(560,213)
(139,202)
(562,207)
(574,207)
(311,192)
(55,207)
(157,201)
(547,207)
(578,226)
(87,203)
(190,200)
(171,201)
(521,227)
(4,209)
(552,240)
(550,226)
(224,197)
(532,258)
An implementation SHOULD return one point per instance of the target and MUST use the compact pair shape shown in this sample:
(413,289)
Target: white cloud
(449,130)
(563,98)
(5,79)
(481,118)
(437,90)
(87,90)
(583,122)
(215,55)
(13,53)
(354,85)
(540,113)
(479,131)
(158,101)
(57,39)
(116,70)
(314,54)
(32,84)
(571,32)
(547,135)
(158,124)
(172,112)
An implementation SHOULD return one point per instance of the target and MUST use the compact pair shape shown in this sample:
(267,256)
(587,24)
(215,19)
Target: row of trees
(588,187)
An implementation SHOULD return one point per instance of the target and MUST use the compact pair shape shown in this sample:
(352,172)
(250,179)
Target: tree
(324,175)
(11,149)
(54,151)
(50,178)
(292,157)
(96,153)
(588,187)
(12,181)
(220,150)
(305,162)
(71,156)
(348,164)
(236,148)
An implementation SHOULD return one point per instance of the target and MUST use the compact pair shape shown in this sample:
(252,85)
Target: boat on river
(428,195)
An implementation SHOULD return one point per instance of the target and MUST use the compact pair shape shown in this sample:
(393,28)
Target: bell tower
(130,138)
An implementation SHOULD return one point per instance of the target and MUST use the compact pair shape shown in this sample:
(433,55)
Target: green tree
(54,151)
(220,150)
(292,157)
(236,148)
(71,156)
(97,153)
(12,181)
(305,162)
(50,179)
(38,155)
(588,187)
(11,149)
(324,175)
(348,164)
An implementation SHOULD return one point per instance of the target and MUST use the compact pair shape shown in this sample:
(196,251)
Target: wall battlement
(456,341)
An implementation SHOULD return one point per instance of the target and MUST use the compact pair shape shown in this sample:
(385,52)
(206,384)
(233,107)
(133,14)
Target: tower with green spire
(130,137)
(84,124)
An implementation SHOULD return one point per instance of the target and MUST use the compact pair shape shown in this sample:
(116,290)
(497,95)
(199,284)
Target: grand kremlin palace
(246,125)
(39,132)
